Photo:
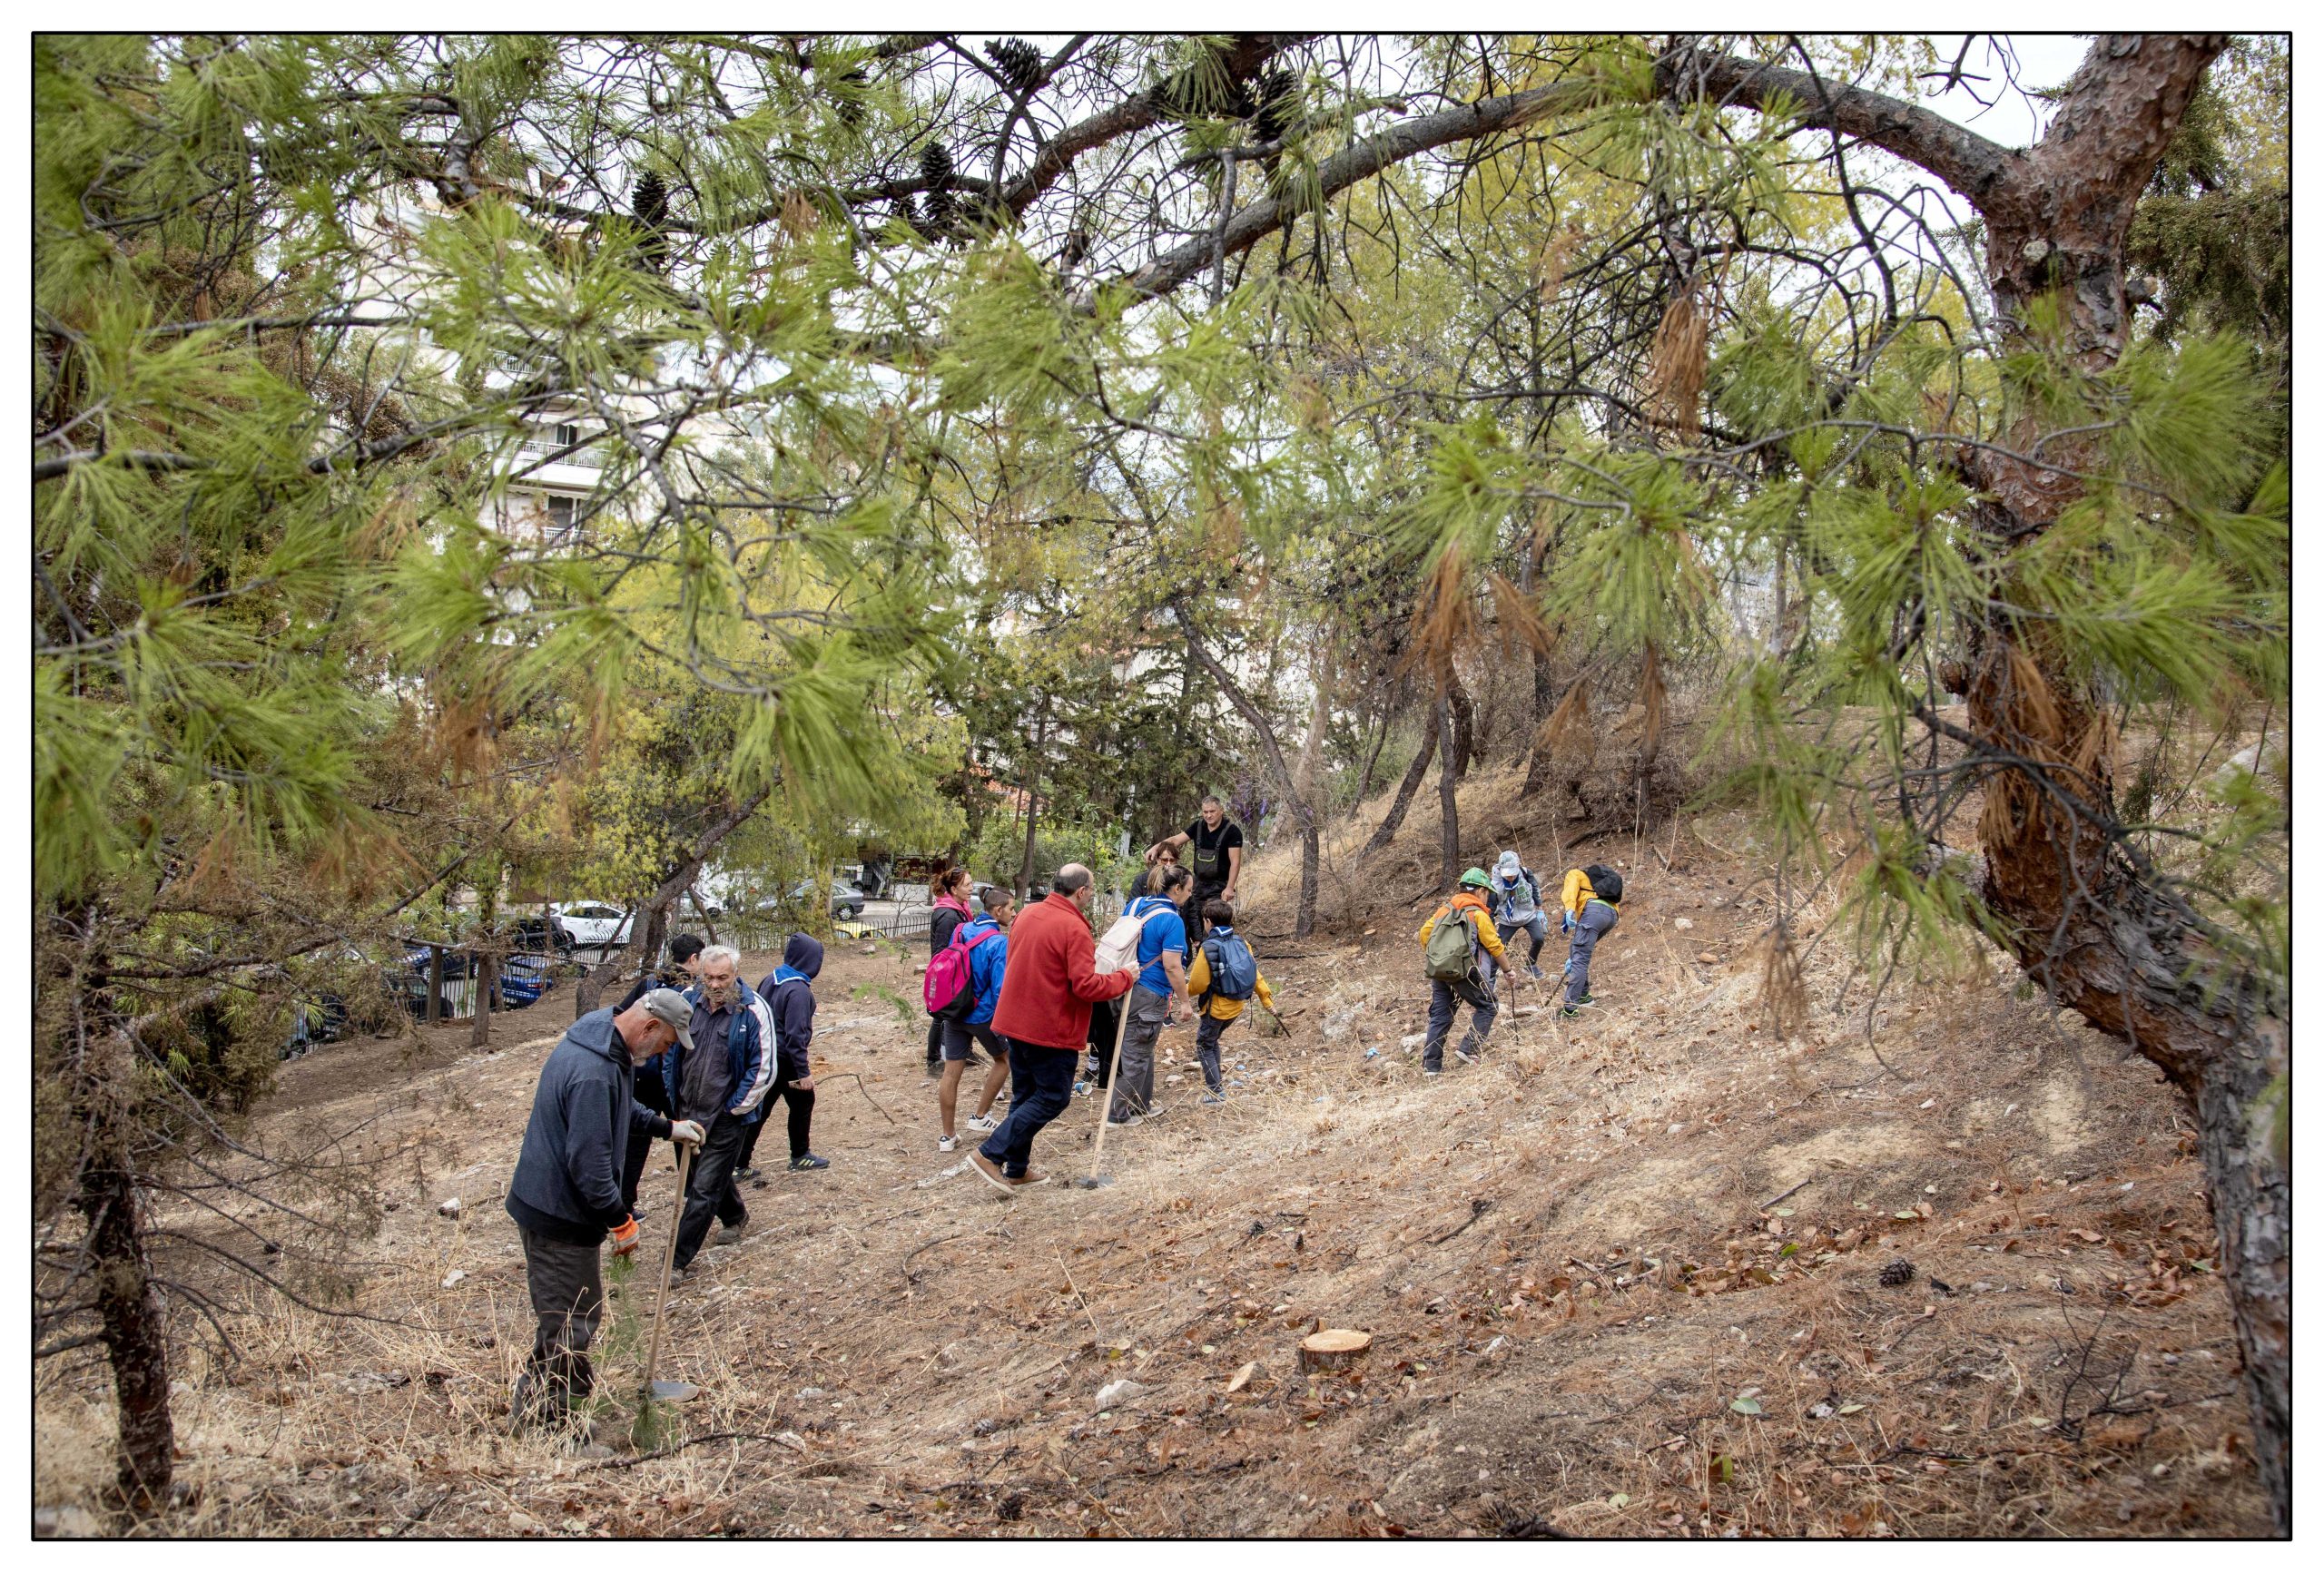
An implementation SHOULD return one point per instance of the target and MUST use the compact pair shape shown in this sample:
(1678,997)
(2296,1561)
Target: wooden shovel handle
(669,1254)
(1113,1082)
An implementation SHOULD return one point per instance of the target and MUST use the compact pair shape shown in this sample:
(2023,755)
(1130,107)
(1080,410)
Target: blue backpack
(1234,970)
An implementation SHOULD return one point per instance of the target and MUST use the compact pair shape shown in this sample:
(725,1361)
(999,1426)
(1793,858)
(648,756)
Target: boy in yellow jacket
(1219,1011)
(1448,988)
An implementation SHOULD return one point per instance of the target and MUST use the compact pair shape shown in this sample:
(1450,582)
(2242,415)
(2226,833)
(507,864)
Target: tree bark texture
(1409,788)
(2086,919)
(1463,729)
(593,983)
(129,1317)
(1448,797)
(1302,812)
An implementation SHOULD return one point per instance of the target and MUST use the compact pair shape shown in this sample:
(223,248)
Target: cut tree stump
(1334,1349)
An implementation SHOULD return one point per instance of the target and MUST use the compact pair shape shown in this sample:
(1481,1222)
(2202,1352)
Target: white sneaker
(948,1143)
(982,1122)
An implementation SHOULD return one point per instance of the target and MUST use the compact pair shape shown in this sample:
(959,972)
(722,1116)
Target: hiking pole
(675,1391)
(1105,1115)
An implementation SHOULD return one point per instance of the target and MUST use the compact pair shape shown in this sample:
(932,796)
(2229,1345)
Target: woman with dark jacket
(948,911)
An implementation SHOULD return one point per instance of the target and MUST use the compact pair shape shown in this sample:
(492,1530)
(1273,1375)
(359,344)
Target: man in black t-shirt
(1214,851)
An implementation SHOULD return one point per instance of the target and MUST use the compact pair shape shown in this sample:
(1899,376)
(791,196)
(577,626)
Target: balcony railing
(535,448)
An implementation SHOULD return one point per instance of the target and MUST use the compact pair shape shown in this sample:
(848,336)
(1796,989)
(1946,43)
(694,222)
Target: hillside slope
(1623,1278)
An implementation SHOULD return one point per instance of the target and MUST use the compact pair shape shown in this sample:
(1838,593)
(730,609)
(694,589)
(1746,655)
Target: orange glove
(625,1238)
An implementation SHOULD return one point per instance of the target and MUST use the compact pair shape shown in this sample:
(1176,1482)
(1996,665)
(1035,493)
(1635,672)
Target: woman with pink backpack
(946,912)
(962,989)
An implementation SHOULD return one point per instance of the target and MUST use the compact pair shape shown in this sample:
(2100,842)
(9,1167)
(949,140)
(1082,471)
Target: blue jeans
(1040,1083)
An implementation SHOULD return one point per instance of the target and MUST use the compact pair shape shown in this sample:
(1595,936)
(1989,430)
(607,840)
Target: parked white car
(591,925)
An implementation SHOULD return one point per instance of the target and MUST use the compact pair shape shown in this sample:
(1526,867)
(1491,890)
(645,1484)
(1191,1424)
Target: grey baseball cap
(669,1008)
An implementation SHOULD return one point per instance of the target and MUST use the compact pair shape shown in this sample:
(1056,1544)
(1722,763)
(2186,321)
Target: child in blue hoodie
(789,993)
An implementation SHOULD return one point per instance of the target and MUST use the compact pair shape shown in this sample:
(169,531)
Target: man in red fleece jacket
(1044,1013)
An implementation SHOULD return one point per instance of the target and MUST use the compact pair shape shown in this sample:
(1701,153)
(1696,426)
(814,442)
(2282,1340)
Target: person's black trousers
(1192,912)
(568,1295)
(798,1104)
(1042,1080)
(709,1188)
(1444,1002)
(935,1045)
(1105,1017)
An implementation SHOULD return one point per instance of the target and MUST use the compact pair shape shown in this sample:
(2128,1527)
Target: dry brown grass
(1572,1257)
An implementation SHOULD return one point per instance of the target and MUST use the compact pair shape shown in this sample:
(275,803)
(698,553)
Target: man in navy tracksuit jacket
(789,995)
(718,1073)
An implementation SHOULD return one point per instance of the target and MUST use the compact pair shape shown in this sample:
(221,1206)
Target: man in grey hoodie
(565,1194)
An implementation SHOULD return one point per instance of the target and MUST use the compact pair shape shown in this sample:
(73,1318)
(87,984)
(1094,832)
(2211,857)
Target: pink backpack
(945,988)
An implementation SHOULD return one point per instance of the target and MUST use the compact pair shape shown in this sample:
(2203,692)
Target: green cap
(1476,877)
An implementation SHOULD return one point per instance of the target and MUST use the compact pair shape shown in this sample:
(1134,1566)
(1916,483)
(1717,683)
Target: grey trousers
(1148,1012)
(568,1296)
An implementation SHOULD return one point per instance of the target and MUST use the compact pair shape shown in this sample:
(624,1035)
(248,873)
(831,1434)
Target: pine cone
(649,201)
(851,108)
(1019,63)
(1277,94)
(1897,1275)
(936,166)
(649,204)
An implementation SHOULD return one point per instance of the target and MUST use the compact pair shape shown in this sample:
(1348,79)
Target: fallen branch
(1793,1192)
(1478,1207)
(692,1441)
(851,1076)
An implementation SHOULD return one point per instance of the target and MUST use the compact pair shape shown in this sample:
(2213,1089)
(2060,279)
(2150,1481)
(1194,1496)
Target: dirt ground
(1625,1277)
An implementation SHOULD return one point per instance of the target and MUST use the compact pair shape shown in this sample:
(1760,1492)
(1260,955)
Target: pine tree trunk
(1303,813)
(130,1319)
(2084,918)
(487,971)
(1448,800)
(593,983)
(1463,729)
(1409,788)
(1032,785)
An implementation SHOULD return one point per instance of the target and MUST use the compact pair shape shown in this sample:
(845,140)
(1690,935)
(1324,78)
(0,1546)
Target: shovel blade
(664,1391)
(1093,1182)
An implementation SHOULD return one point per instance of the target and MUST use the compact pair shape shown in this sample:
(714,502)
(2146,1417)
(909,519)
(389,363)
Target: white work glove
(685,1133)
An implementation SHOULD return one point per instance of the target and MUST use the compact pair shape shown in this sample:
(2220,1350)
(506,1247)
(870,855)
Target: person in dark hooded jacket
(790,993)
(566,1192)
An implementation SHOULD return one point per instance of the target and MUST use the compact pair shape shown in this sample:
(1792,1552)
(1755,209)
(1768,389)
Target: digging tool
(1093,1180)
(669,1391)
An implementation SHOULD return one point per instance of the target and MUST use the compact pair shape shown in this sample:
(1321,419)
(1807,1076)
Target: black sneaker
(1568,1012)
(809,1161)
(752,1173)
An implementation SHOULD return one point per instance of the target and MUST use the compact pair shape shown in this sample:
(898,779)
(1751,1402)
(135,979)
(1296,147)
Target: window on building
(567,435)
(563,516)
